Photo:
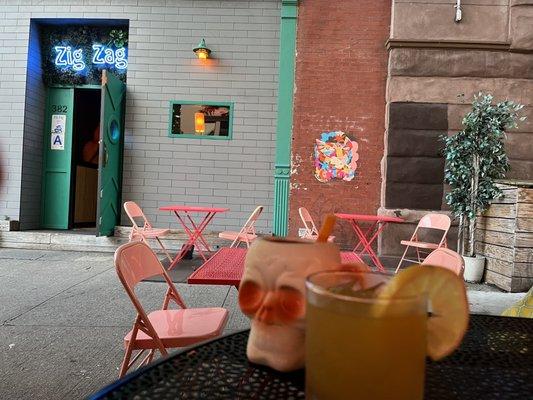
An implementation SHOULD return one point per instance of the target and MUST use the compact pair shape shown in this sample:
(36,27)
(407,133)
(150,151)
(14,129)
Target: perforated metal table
(225,267)
(494,362)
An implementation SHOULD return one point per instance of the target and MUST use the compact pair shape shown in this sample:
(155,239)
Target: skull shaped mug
(272,295)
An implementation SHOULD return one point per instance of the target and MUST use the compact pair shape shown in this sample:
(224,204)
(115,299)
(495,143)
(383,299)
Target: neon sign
(106,55)
(66,56)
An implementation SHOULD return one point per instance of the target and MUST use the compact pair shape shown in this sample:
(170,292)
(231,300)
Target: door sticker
(57,138)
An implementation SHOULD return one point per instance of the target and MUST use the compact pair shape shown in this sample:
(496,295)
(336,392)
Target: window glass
(200,120)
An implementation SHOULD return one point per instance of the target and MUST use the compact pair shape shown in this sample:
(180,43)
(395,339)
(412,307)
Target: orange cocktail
(361,346)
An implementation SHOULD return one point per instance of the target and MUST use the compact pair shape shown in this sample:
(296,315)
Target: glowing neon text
(66,56)
(106,55)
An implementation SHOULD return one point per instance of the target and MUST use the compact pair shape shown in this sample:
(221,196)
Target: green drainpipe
(282,164)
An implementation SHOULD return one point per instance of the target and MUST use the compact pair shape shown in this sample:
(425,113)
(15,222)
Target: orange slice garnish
(446,292)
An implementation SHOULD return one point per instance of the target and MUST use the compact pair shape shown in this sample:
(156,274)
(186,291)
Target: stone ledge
(412,216)
(9,225)
(68,240)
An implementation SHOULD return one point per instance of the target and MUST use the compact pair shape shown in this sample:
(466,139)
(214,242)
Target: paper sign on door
(57,138)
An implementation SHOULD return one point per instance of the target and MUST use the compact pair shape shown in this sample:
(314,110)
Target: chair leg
(126,361)
(164,249)
(148,359)
(418,255)
(401,259)
(235,243)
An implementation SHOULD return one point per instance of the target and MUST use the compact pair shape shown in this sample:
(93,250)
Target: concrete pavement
(63,316)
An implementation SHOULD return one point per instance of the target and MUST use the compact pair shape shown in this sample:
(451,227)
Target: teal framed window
(200,119)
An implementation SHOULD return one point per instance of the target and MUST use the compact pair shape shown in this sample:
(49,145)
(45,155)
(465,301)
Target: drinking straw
(326,228)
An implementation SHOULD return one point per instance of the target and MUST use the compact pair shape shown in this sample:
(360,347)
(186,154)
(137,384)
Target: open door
(110,154)
(57,156)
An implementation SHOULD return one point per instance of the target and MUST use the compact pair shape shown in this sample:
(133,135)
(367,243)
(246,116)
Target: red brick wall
(341,71)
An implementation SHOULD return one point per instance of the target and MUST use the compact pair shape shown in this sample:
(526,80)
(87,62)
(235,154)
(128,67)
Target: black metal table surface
(495,361)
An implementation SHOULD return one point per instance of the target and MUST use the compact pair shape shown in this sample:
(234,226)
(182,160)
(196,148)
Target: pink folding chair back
(446,258)
(146,231)
(310,228)
(249,226)
(440,222)
(135,262)
(134,211)
(164,328)
(311,231)
(247,233)
(435,221)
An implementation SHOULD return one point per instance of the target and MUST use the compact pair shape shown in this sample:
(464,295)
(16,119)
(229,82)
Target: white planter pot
(474,267)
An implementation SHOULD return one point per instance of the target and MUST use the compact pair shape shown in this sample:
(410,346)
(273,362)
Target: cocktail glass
(359,345)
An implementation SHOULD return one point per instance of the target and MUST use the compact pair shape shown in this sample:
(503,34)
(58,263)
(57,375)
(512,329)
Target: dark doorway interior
(86,134)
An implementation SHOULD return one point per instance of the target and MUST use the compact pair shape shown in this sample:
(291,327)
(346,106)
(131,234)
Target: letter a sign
(57,138)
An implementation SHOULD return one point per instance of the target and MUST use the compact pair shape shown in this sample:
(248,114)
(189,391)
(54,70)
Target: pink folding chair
(247,234)
(146,231)
(311,231)
(438,222)
(446,258)
(165,328)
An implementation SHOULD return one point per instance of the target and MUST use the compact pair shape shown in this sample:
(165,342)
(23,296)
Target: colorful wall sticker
(335,157)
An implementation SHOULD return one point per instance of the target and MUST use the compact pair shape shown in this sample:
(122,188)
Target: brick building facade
(341,74)
(244,37)
(392,74)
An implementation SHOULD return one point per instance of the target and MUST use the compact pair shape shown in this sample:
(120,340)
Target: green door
(110,155)
(57,158)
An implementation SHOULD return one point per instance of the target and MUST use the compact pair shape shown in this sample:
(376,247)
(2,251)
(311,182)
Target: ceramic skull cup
(272,295)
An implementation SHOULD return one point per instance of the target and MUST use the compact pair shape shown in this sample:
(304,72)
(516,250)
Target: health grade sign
(76,55)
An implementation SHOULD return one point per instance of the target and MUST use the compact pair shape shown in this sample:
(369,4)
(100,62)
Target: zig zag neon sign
(67,56)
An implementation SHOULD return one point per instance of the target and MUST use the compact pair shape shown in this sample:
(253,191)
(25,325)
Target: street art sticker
(335,157)
(57,138)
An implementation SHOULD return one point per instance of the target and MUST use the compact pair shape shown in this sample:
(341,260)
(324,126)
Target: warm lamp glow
(199,122)
(202,54)
(202,51)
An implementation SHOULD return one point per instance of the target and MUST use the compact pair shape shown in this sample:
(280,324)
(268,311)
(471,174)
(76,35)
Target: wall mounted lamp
(202,51)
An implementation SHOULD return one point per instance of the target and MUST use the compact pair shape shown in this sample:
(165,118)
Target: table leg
(366,233)
(200,228)
(367,248)
(195,234)
(192,236)
(367,243)
(186,246)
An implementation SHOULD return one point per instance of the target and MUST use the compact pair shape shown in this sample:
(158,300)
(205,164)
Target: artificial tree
(475,157)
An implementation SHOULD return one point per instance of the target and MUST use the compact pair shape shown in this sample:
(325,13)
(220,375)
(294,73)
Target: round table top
(493,362)
(369,218)
(193,208)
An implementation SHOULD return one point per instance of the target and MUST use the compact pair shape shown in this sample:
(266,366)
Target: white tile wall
(158,170)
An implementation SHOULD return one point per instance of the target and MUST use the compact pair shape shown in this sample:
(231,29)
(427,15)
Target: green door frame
(56,171)
(57,165)
(282,163)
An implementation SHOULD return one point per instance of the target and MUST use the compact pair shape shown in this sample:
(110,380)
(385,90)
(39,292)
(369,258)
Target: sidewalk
(64,314)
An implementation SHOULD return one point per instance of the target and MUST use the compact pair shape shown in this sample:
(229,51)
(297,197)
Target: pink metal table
(192,229)
(225,267)
(367,235)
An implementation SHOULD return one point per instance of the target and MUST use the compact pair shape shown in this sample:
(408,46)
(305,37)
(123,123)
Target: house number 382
(59,108)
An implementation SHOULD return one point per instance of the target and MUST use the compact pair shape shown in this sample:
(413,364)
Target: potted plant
(475,157)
